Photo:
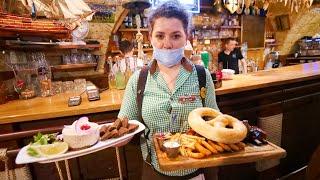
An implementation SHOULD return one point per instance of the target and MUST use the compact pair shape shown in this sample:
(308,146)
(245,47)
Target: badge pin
(203,92)
(187,99)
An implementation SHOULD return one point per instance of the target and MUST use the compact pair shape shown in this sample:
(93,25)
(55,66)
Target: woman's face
(168,33)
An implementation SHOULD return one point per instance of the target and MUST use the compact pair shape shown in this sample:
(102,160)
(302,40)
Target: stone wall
(304,23)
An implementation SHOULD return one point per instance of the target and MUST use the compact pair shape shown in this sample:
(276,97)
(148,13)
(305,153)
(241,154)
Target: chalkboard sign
(253,31)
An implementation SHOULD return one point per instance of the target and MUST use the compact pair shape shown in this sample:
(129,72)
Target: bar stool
(67,168)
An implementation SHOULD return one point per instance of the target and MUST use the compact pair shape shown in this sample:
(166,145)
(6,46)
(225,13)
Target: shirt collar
(186,64)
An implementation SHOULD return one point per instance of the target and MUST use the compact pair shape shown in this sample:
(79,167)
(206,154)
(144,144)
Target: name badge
(187,99)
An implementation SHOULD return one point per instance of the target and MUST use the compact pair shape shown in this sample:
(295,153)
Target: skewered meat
(255,135)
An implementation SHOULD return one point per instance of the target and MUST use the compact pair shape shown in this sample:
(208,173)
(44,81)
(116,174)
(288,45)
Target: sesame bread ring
(223,128)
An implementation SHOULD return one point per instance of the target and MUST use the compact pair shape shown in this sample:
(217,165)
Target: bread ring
(216,129)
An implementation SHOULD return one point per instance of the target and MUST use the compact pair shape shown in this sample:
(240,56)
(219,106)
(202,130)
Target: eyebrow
(175,32)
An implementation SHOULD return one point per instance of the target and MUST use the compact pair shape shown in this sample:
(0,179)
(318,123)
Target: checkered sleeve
(210,100)
(129,106)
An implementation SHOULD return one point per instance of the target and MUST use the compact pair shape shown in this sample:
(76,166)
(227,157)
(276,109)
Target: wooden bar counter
(56,106)
(293,92)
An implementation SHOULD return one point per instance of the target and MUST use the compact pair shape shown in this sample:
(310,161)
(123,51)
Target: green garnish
(32,152)
(43,139)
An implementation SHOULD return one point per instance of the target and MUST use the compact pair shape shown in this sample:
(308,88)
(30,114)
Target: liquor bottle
(33,10)
(129,21)
(126,24)
(134,23)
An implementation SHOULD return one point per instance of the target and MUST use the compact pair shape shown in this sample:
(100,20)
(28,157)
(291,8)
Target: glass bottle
(129,69)
(44,75)
(120,74)
(111,75)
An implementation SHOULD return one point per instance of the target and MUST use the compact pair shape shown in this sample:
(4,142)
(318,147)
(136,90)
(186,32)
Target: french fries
(208,146)
(198,147)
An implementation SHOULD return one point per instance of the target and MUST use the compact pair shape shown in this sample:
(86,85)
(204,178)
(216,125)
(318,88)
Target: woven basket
(22,173)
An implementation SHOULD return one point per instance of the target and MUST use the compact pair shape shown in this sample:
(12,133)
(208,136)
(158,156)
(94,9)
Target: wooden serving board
(251,153)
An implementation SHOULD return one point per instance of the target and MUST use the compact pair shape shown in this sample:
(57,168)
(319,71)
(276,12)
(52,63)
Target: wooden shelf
(14,44)
(133,30)
(72,67)
(304,58)
(206,7)
(217,38)
(230,27)
(202,27)
(145,50)
(273,44)
(87,46)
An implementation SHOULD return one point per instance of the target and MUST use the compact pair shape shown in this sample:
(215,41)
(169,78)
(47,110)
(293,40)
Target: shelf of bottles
(120,70)
(128,31)
(209,27)
(270,40)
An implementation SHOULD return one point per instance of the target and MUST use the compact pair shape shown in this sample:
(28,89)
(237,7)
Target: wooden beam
(119,21)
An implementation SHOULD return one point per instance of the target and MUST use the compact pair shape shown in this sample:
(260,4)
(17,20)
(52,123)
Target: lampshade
(136,4)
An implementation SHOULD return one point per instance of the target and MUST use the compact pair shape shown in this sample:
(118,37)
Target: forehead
(167,25)
(232,42)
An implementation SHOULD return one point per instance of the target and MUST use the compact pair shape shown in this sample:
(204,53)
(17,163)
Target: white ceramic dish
(24,158)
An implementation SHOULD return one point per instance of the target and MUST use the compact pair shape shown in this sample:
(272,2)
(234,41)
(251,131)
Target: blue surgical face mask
(168,57)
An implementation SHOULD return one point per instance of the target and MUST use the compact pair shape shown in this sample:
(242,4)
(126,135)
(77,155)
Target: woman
(171,78)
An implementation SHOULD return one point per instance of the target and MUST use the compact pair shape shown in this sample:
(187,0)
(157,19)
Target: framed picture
(192,6)
(282,22)
(104,13)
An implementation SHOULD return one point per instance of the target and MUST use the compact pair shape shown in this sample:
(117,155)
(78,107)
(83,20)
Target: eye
(159,36)
(176,36)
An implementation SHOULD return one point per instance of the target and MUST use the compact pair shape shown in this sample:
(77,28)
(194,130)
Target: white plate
(24,158)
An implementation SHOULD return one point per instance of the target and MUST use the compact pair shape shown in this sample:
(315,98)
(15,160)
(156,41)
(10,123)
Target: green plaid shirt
(161,109)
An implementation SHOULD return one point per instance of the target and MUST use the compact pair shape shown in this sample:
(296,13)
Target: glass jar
(80,85)
(120,74)
(56,87)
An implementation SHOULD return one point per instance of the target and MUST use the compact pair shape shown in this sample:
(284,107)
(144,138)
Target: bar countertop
(56,106)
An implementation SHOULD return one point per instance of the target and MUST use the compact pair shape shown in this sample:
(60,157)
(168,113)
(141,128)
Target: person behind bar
(126,48)
(229,58)
(171,90)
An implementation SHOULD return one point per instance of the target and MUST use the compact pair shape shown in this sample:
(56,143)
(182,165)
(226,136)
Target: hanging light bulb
(231,5)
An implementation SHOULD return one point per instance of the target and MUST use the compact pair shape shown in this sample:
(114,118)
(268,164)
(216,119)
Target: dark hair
(170,9)
(228,40)
(125,46)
